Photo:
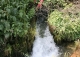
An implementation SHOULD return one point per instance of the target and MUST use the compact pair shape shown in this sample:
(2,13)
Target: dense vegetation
(17,25)
(66,26)
(65,23)
(15,16)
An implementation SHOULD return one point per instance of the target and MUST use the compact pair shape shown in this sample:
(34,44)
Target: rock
(76,53)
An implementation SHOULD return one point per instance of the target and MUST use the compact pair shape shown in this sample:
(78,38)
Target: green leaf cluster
(67,25)
(56,3)
(15,17)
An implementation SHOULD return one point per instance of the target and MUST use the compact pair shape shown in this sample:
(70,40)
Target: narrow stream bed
(44,45)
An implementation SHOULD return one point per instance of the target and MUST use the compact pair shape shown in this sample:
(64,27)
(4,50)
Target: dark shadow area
(42,16)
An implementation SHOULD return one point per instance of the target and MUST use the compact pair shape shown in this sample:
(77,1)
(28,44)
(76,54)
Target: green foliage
(15,16)
(67,25)
(56,3)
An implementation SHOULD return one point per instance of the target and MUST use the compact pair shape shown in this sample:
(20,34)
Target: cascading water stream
(44,45)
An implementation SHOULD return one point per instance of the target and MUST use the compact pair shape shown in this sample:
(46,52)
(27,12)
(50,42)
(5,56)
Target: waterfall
(44,45)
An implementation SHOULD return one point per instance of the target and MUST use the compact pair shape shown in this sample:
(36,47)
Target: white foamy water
(44,46)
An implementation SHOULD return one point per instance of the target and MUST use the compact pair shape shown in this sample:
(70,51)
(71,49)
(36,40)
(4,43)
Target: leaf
(20,13)
(8,10)
(7,35)
(14,11)
(7,26)
(1,27)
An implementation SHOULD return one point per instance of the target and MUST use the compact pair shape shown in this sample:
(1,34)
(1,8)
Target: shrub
(67,26)
(15,16)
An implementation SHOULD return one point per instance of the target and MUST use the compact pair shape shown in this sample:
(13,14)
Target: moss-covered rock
(67,26)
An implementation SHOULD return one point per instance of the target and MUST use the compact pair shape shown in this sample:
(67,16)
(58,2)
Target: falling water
(44,45)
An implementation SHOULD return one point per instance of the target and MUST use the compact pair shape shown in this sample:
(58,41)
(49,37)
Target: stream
(44,45)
